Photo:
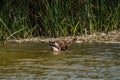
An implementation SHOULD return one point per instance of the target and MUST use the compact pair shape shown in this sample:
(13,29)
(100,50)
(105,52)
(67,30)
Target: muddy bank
(110,37)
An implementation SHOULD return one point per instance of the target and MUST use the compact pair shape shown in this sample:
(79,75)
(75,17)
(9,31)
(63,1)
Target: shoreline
(110,37)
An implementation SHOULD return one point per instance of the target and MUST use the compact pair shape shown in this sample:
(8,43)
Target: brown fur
(61,44)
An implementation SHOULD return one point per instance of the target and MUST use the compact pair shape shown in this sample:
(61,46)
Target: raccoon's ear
(51,41)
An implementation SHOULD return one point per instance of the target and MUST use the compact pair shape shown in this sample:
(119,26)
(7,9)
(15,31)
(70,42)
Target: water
(84,61)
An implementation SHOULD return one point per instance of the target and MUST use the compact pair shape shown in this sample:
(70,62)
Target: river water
(83,61)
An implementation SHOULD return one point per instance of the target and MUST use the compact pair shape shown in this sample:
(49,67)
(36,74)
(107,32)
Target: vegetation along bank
(90,20)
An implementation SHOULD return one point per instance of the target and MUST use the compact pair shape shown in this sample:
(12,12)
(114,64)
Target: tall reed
(53,18)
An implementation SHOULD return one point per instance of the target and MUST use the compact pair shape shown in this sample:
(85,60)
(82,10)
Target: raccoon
(59,45)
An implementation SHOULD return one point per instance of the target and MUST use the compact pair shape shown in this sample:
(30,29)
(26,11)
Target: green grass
(54,18)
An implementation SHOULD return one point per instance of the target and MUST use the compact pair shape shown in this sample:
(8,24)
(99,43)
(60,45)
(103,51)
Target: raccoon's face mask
(51,43)
(55,46)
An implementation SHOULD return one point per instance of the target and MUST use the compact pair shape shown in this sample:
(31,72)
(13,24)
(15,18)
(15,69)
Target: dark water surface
(84,61)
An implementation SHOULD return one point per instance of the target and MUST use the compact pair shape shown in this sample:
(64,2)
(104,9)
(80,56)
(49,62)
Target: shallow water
(84,61)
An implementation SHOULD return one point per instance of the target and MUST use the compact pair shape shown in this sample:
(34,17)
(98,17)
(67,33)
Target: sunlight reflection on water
(85,61)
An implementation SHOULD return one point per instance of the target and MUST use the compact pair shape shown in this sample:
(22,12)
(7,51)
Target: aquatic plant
(53,18)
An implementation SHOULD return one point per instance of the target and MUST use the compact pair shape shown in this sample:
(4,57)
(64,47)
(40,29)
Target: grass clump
(54,18)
